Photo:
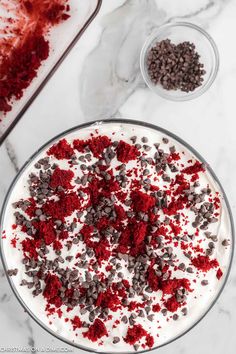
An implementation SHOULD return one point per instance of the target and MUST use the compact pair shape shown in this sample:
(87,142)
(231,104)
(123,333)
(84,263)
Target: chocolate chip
(133,139)
(83,167)
(164,312)
(141,313)
(146,172)
(190,270)
(120,275)
(207,234)
(175,317)
(84,180)
(124,319)
(182,266)
(209,251)
(133,315)
(225,243)
(116,340)
(214,238)
(213,220)
(58,223)
(147,147)
(42,217)
(88,157)
(204,282)
(150,317)
(165,140)
(131,321)
(147,309)
(184,311)
(69,258)
(75,241)
(91,317)
(211,245)
(187,255)
(38,212)
(12,272)
(83,311)
(78,180)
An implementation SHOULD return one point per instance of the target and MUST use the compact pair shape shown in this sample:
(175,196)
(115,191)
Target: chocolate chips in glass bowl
(175,67)
(179,61)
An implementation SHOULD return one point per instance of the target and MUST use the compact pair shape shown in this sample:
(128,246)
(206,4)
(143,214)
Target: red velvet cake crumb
(96,331)
(53,285)
(134,334)
(96,145)
(30,246)
(76,322)
(172,305)
(108,300)
(61,150)
(61,178)
(156,308)
(149,341)
(171,285)
(63,207)
(142,201)
(204,263)
(126,152)
(219,274)
(45,231)
(196,168)
(80,145)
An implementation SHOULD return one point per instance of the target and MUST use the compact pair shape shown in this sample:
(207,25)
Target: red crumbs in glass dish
(117,239)
(24,43)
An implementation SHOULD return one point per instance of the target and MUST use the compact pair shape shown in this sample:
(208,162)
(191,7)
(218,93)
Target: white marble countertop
(101,79)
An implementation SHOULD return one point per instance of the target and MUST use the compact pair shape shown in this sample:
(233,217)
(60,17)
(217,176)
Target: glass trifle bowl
(117,237)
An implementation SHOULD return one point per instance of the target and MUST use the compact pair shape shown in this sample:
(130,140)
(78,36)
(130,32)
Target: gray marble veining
(117,70)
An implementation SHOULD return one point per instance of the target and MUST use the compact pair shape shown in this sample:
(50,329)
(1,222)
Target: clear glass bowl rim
(61,136)
(202,88)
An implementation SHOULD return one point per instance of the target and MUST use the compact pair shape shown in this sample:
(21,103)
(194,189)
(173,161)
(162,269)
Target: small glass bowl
(179,32)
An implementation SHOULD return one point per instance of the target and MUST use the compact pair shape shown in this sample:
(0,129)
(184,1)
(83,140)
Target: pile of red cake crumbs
(119,236)
(24,44)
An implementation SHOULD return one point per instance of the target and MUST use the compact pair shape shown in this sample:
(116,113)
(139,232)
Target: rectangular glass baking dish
(62,38)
